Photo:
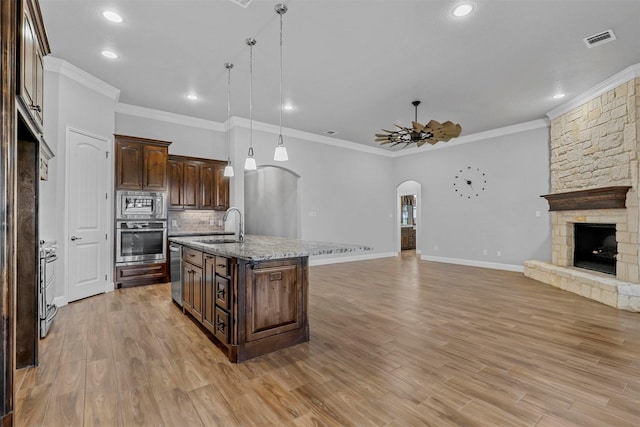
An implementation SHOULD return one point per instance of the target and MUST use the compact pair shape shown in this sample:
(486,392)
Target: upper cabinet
(196,183)
(34,46)
(141,164)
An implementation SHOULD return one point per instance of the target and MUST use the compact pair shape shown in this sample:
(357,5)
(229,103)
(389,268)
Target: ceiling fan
(419,134)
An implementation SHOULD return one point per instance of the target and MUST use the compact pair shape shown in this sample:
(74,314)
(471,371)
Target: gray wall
(185,140)
(503,218)
(272,202)
(67,104)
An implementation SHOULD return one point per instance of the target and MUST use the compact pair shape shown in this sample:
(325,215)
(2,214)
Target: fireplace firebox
(595,247)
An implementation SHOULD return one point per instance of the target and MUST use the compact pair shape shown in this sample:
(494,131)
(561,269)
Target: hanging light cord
(229,66)
(251,96)
(283,10)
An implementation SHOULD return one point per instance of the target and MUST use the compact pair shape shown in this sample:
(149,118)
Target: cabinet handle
(222,265)
(192,255)
(36,108)
(221,326)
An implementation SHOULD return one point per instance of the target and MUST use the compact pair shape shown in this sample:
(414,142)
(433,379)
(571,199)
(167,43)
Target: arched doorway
(408,225)
(272,202)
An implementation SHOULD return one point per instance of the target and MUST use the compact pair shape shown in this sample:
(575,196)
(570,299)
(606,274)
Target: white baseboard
(60,301)
(325,261)
(474,263)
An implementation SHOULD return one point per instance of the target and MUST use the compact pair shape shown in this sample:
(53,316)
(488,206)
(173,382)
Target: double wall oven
(141,227)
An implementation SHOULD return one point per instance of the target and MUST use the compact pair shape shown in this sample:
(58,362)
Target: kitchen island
(252,296)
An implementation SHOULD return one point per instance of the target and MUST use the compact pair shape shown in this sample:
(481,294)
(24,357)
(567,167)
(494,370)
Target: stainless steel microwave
(141,205)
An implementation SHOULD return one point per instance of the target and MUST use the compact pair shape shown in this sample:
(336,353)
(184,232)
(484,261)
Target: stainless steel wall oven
(141,241)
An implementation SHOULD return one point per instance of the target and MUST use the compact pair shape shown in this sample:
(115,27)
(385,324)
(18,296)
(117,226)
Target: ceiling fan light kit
(419,134)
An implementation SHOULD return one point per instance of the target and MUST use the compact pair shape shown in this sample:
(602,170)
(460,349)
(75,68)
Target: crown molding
(164,116)
(60,66)
(611,83)
(479,136)
(294,133)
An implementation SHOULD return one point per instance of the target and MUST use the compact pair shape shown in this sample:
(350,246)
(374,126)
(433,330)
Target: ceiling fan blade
(417,126)
(380,135)
(390,131)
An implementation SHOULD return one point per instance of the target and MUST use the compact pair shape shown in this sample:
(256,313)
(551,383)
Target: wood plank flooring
(394,342)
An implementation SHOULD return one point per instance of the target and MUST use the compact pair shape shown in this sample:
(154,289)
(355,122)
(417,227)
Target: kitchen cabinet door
(222,188)
(175,172)
(208,186)
(191,182)
(155,168)
(129,158)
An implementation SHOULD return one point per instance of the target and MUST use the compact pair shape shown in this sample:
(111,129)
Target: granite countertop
(262,248)
(200,233)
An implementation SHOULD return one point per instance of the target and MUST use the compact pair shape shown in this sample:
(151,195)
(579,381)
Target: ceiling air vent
(243,3)
(600,38)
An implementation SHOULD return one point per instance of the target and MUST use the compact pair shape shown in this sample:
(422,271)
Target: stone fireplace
(594,181)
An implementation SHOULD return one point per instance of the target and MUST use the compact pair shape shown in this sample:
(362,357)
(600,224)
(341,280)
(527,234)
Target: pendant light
(250,163)
(228,170)
(280,154)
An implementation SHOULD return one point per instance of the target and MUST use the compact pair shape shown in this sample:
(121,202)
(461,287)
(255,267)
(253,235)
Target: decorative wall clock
(469,182)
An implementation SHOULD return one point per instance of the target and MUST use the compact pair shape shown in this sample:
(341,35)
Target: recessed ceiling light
(288,107)
(109,54)
(558,96)
(463,9)
(112,16)
(192,97)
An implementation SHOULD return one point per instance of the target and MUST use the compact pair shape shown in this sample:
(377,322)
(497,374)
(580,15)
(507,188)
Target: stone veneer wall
(593,146)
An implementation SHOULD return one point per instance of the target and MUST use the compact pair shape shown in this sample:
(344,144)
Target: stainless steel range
(46,309)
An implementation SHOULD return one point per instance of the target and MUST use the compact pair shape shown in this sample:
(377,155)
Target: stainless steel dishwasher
(175,266)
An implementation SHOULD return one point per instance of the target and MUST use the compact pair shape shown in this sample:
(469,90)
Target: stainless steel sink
(216,241)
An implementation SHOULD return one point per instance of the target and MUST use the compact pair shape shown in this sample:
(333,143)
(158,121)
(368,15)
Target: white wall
(70,101)
(503,218)
(347,196)
(186,139)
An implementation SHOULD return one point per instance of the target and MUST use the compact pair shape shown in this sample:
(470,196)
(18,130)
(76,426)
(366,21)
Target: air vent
(243,3)
(330,132)
(600,38)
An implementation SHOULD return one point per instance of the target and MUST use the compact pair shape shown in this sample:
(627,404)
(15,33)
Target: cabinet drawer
(192,256)
(222,292)
(222,266)
(223,326)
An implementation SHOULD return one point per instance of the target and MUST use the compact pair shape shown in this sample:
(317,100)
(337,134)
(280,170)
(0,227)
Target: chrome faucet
(240,229)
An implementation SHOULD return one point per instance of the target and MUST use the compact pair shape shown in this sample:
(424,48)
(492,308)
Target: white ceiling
(352,66)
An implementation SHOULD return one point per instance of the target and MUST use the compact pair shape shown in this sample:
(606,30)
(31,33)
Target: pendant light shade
(280,154)
(228,170)
(250,163)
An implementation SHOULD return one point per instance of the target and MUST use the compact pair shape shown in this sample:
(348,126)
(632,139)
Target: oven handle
(140,230)
(51,258)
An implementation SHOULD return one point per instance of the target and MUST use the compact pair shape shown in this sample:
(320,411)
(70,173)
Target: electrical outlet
(212,222)
(220,223)
(174,222)
(435,247)
(484,252)
(499,253)
(313,213)
(537,214)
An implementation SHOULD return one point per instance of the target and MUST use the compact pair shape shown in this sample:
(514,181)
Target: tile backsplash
(195,221)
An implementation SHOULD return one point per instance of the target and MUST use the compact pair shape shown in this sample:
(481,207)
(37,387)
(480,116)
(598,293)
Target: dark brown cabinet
(141,164)
(250,308)
(141,274)
(33,47)
(196,183)
(192,281)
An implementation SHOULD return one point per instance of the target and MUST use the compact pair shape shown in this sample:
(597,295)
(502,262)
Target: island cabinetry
(218,280)
(141,164)
(273,306)
(192,279)
(196,183)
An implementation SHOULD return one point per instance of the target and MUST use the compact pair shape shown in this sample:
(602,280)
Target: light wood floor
(394,342)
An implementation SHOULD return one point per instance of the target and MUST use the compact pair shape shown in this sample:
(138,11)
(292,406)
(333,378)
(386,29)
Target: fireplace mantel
(597,198)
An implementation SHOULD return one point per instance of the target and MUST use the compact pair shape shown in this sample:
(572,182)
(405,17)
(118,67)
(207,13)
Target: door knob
(74,238)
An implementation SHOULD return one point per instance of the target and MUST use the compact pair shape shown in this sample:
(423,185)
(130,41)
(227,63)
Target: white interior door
(88,215)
